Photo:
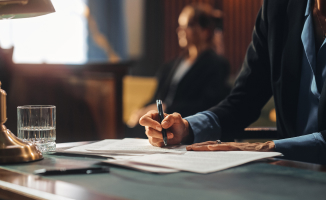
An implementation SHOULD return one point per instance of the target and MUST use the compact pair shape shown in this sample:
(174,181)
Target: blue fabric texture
(313,76)
(310,146)
(306,148)
(309,95)
(205,126)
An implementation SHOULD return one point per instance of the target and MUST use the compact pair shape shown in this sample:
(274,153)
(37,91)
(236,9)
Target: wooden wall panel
(239,20)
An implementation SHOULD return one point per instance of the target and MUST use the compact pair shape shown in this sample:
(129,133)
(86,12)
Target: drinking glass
(37,124)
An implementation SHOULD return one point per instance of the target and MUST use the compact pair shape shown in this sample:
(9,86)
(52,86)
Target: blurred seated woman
(197,79)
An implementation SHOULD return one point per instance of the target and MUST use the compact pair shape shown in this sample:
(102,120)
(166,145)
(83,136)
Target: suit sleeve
(252,88)
(306,148)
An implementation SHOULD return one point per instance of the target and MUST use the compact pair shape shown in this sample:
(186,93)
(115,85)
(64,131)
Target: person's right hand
(136,115)
(177,128)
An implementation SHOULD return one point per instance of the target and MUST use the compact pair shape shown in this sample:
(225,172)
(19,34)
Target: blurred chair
(137,91)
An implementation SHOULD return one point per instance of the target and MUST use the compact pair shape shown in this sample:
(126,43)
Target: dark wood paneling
(239,20)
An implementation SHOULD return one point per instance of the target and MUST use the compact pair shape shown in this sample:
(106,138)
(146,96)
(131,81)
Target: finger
(169,134)
(150,120)
(200,148)
(197,148)
(223,147)
(150,132)
(157,142)
(205,143)
(169,120)
(189,148)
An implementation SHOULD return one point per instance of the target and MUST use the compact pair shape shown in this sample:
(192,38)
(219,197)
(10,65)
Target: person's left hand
(232,146)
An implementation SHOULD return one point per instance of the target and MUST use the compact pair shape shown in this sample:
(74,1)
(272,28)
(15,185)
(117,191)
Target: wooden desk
(276,179)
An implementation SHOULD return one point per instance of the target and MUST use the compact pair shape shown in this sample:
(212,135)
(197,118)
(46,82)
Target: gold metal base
(14,150)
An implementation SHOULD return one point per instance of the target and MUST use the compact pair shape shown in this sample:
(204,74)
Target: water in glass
(37,125)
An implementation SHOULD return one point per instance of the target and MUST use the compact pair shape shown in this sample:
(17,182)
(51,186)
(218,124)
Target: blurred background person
(197,79)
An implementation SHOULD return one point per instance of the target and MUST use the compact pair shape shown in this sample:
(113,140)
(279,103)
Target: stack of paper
(120,152)
(139,154)
(202,161)
(135,146)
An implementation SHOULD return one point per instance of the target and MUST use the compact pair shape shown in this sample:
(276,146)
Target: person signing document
(287,60)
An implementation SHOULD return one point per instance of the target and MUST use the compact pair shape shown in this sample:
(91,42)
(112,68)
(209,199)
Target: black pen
(161,114)
(64,171)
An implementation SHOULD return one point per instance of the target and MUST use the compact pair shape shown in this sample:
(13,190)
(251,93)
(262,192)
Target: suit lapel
(167,82)
(291,64)
(195,69)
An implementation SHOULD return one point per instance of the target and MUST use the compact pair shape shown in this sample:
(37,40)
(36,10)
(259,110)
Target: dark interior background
(89,97)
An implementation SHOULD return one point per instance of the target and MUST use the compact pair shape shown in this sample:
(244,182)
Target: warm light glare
(182,38)
(272,115)
(60,37)
(181,33)
(193,52)
(185,16)
(183,42)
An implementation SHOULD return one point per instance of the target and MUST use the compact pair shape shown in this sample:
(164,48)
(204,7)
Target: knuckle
(149,131)
(177,115)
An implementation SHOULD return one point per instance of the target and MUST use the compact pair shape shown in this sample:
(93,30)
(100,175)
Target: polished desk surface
(275,179)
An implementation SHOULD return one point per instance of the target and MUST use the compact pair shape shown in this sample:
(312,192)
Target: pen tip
(165,142)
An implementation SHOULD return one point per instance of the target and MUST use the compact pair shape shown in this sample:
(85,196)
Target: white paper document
(141,146)
(82,148)
(141,155)
(140,166)
(203,161)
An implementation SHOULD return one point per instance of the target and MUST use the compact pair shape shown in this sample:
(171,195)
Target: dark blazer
(272,66)
(201,87)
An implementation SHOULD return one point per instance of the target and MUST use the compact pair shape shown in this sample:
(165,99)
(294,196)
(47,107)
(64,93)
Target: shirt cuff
(306,148)
(205,126)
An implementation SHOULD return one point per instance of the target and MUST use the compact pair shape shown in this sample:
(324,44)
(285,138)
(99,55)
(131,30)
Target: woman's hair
(206,17)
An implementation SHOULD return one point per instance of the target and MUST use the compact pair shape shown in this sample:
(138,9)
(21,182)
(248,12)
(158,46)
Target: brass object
(13,149)
(14,9)
(6,2)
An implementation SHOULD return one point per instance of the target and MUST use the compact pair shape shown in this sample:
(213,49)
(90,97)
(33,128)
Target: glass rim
(35,106)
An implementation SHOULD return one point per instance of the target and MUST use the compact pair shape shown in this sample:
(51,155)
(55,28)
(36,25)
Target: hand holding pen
(177,128)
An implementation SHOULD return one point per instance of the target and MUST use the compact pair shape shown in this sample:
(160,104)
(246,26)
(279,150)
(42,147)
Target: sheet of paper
(82,149)
(139,166)
(203,161)
(141,146)
(99,144)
